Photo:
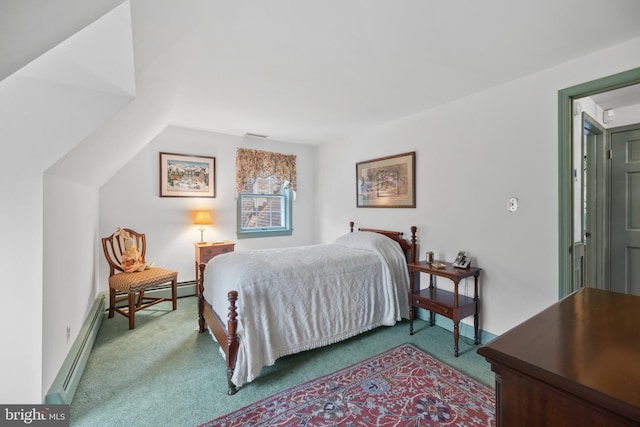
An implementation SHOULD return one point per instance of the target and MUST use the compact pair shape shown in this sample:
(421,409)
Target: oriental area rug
(401,387)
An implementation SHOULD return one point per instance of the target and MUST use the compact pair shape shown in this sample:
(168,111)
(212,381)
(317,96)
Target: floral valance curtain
(253,164)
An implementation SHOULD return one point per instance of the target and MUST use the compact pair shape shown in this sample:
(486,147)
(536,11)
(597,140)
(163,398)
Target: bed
(263,304)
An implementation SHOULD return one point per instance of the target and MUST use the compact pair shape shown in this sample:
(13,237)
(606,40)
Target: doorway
(566,234)
(591,190)
(606,249)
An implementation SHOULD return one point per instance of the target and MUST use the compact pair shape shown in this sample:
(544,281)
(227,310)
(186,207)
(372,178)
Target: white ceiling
(318,71)
(618,98)
(315,71)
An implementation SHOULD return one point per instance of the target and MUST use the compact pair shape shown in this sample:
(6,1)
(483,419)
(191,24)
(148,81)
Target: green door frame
(565,149)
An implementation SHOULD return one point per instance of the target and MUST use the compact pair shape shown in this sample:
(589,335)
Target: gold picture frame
(387,182)
(185,175)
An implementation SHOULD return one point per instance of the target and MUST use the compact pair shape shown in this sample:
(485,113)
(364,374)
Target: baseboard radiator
(66,382)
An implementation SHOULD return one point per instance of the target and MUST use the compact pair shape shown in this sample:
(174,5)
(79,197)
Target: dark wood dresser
(576,363)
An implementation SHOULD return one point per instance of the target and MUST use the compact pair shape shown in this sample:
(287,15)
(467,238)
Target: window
(265,189)
(264,209)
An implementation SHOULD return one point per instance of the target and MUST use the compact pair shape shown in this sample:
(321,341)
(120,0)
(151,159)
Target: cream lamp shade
(202,218)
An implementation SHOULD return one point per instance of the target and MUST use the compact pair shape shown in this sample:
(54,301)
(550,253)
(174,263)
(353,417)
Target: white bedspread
(299,298)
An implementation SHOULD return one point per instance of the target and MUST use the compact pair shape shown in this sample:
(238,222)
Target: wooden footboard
(226,335)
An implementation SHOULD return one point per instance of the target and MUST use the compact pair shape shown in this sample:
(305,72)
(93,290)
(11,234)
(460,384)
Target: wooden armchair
(133,284)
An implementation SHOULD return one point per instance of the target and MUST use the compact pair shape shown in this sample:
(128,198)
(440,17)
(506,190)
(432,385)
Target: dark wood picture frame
(187,175)
(387,182)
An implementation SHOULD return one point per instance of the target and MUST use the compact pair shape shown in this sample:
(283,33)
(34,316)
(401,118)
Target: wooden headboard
(409,247)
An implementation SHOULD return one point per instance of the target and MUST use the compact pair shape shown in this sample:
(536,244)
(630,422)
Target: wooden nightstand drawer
(431,305)
(208,252)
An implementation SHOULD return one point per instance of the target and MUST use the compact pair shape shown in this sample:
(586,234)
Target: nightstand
(207,250)
(438,301)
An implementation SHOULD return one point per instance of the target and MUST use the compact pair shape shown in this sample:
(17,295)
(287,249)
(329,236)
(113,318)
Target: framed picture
(183,175)
(387,182)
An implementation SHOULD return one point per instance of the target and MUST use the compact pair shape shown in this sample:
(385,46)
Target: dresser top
(585,343)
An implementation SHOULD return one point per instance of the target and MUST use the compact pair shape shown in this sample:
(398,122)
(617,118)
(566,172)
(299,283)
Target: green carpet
(164,373)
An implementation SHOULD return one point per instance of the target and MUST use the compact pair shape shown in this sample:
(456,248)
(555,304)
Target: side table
(207,250)
(439,301)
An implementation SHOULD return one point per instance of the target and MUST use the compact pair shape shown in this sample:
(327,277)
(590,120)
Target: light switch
(513,204)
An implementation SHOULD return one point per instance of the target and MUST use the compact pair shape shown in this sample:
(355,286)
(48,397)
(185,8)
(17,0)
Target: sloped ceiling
(29,28)
(317,71)
(51,104)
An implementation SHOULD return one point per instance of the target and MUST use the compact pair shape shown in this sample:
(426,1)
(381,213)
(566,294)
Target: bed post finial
(414,253)
(351,224)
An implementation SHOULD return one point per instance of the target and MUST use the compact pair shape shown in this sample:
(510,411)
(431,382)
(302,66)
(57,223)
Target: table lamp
(202,218)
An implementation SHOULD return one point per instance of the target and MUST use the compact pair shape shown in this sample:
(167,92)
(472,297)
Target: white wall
(46,108)
(69,285)
(131,199)
(472,155)
(21,264)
